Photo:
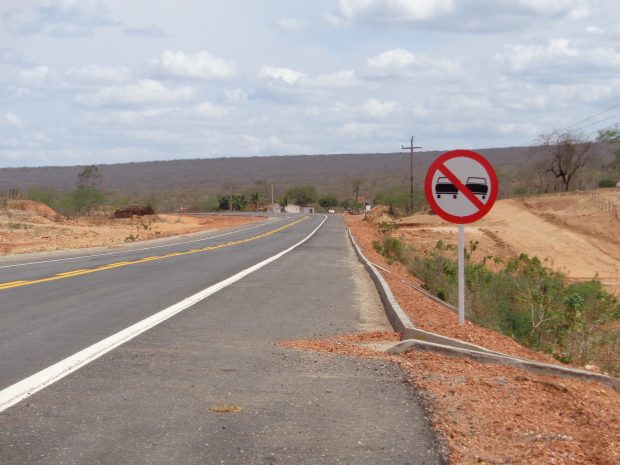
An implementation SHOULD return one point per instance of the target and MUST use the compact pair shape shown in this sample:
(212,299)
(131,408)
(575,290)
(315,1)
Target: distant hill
(330,173)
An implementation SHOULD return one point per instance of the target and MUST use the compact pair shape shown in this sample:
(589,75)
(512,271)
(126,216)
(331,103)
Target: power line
(559,131)
(588,118)
(598,122)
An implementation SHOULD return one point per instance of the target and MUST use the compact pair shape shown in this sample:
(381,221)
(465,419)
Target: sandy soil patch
(571,233)
(27,226)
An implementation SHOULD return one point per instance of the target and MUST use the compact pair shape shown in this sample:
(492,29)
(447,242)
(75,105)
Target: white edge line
(48,376)
(267,223)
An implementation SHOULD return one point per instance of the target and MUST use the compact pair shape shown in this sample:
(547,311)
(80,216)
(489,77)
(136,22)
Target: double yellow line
(74,273)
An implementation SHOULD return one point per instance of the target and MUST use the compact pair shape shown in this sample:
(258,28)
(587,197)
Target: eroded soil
(27,226)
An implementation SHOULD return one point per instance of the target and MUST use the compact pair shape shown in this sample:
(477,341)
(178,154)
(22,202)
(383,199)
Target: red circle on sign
(439,163)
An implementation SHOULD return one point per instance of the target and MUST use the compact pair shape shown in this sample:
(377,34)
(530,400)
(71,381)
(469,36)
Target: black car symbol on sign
(478,186)
(444,186)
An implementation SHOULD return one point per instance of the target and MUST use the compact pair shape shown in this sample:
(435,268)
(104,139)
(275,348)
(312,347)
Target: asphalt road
(151,400)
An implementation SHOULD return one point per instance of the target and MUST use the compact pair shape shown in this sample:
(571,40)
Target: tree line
(561,162)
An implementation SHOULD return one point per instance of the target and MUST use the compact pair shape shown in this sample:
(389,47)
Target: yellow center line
(71,274)
(67,273)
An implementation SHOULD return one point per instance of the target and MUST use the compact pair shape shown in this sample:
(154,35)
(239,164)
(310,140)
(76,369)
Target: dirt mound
(133,210)
(32,206)
(379,215)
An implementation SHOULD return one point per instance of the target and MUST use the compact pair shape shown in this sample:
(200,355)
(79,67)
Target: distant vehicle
(331,211)
(444,186)
(478,186)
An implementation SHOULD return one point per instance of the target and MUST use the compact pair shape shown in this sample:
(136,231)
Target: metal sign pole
(461,187)
(461,271)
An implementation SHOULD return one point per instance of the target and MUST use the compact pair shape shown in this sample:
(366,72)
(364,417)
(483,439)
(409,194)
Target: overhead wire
(580,128)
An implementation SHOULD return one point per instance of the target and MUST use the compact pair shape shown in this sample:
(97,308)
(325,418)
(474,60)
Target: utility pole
(230,195)
(271,193)
(411,147)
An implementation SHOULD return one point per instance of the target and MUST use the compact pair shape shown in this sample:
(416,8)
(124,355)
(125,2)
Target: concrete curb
(417,339)
(397,316)
(399,320)
(529,365)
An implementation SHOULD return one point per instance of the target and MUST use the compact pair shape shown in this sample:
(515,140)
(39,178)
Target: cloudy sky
(87,81)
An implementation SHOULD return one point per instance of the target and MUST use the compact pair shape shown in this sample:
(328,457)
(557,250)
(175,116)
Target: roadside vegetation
(522,298)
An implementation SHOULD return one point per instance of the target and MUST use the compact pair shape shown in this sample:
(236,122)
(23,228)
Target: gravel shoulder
(490,414)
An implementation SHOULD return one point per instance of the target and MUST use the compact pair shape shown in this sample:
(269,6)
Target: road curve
(53,309)
(210,385)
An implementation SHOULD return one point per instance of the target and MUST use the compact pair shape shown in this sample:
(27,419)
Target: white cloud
(290,77)
(397,60)
(13,120)
(59,18)
(99,73)
(144,92)
(359,130)
(272,145)
(153,135)
(393,10)
(209,110)
(287,75)
(595,30)
(235,95)
(378,109)
(200,65)
(559,56)
(339,79)
(520,57)
(123,116)
(291,24)
(150,31)
(402,63)
(37,73)
(457,15)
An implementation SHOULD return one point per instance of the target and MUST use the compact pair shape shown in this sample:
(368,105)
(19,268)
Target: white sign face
(461,186)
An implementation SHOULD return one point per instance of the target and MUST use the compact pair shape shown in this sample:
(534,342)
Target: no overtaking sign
(461,186)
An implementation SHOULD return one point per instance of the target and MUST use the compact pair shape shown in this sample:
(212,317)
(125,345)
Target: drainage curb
(397,316)
(399,320)
(497,359)
(414,338)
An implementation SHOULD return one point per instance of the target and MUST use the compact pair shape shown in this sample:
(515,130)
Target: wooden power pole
(411,147)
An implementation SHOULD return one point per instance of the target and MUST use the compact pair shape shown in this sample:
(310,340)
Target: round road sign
(461,186)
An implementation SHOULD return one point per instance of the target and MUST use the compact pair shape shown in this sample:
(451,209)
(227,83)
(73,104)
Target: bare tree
(566,154)
(357,186)
(90,177)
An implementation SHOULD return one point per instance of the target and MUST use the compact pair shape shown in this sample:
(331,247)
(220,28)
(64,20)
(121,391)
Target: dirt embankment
(489,414)
(570,233)
(27,226)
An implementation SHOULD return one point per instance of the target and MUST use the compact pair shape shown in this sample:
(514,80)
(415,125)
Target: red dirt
(27,226)
(500,415)
(489,414)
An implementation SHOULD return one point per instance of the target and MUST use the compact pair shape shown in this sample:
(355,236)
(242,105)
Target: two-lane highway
(51,309)
(172,355)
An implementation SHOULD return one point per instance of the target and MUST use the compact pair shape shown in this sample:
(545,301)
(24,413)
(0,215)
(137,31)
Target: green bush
(328,201)
(83,198)
(301,195)
(526,300)
(398,199)
(69,203)
(519,191)
(607,183)
(239,202)
(391,248)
